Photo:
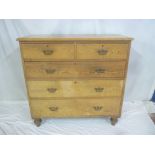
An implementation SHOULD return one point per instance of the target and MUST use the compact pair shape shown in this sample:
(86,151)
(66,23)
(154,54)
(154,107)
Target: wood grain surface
(59,70)
(75,107)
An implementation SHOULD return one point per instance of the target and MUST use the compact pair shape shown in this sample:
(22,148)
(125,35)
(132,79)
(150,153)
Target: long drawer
(78,88)
(49,70)
(47,52)
(75,107)
(102,51)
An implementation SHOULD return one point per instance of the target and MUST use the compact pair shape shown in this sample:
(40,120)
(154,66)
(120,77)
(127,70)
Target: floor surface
(15,119)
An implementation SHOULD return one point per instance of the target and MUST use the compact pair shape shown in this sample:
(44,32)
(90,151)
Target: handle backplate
(50,71)
(53,108)
(99,89)
(52,90)
(48,52)
(99,70)
(97,108)
(102,51)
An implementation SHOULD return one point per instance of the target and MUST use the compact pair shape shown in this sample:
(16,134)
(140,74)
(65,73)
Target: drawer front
(78,88)
(49,70)
(75,107)
(47,51)
(102,51)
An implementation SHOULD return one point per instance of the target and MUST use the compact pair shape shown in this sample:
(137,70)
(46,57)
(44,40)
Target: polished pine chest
(76,75)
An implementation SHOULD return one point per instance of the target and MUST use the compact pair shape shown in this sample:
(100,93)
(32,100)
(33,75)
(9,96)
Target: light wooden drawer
(75,107)
(78,88)
(51,51)
(102,51)
(49,70)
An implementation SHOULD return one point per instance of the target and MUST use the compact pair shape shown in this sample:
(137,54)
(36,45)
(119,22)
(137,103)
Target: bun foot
(113,120)
(37,122)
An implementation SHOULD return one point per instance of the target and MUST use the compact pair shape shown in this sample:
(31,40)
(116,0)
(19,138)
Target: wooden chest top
(74,37)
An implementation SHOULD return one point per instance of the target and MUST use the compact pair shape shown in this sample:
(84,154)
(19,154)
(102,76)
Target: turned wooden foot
(37,122)
(113,120)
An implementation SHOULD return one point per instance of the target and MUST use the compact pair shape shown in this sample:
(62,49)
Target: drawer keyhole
(75,82)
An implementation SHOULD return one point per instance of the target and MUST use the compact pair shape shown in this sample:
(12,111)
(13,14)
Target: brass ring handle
(50,71)
(102,52)
(52,90)
(99,70)
(47,52)
(53,108)
(99,89)
(97,108)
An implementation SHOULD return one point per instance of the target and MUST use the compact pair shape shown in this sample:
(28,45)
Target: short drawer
(77,88)
(102,51)
(50,70)
(47,52)
(75,107)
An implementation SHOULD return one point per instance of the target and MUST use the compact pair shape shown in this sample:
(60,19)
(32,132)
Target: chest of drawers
(75,75)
